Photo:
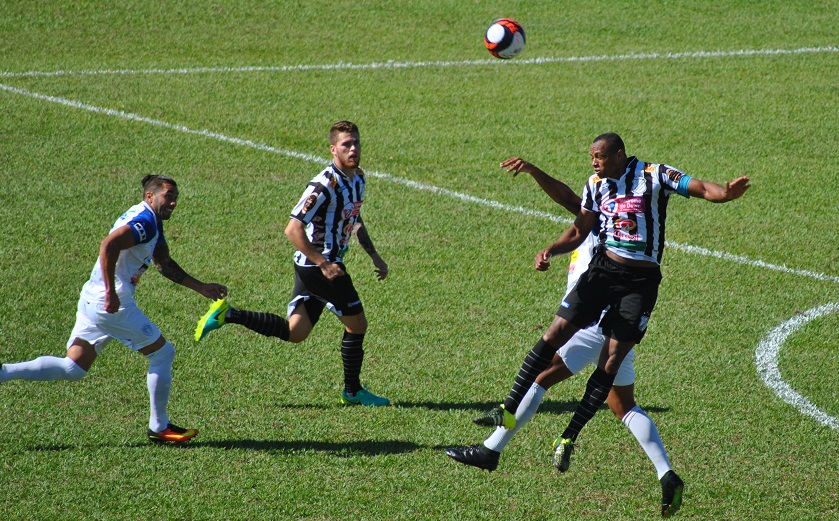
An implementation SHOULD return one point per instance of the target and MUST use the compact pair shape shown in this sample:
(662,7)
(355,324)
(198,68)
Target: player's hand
(213,291)
(381,268)
(542,260)
(735,189)
(331,270)
(112,302)
(516,165)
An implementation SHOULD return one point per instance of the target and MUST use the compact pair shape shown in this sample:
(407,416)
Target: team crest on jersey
(310,201)
(351,210)
(639,185)
(649,168)
(674,175)
(612,207)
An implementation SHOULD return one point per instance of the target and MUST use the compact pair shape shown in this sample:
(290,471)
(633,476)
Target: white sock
(524,413)
(44,369)
(645,431)
(159,382)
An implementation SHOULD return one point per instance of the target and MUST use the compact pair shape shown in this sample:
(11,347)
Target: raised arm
(718,193)
(561,193)
(170,269)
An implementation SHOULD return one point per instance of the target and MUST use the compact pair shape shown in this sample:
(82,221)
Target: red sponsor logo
(626,225)
(351,210)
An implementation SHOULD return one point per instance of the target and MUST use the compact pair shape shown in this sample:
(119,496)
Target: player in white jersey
(321,226)
(582,350)
(107,309)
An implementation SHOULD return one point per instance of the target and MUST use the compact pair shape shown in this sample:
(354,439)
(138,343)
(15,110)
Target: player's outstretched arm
(718,193)
(170,269)
(367,244)
(556,189)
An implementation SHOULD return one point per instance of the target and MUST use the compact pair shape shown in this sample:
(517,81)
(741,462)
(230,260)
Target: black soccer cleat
(672,489)
(475,456)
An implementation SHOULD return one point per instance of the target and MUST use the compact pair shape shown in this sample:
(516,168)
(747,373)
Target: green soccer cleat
(212,320)
(672,489)
(497,417)
(364,397)
(563,448)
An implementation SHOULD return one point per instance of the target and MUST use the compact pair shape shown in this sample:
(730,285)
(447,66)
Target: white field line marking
(462,63)
(766,356)
(406,182)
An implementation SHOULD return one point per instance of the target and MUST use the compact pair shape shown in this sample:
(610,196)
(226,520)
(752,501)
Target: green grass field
(234,100)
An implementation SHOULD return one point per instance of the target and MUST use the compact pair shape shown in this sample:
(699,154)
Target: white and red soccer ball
(504,38)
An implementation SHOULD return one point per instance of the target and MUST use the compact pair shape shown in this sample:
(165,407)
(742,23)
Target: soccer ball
(504,38)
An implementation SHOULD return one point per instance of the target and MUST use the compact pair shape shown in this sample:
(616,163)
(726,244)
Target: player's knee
(163,357)
(73,371)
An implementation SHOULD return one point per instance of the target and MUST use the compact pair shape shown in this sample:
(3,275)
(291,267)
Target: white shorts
(584,348)
(129,325)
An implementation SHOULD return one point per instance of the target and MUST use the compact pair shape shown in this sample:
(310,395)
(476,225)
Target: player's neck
(349,172)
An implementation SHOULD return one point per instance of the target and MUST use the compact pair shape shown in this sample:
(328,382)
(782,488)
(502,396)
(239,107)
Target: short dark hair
(342,126)
(613,142)
(153,182)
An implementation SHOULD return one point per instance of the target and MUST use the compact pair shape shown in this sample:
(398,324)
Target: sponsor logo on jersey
(612,207)
(674,175)
(626,225)
(351,210)
(310,201)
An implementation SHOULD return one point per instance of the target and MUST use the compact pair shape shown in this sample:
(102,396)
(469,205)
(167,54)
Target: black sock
(266,324)
(352,355)
(597,389)
(534,363)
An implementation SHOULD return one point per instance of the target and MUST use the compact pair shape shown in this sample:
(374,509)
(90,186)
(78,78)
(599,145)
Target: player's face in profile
(346,152)
(604,162)
(164,201)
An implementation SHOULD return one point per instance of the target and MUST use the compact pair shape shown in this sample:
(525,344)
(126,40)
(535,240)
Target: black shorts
(629,292)
(316,292)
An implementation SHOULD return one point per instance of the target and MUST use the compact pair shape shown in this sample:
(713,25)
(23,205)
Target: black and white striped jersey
(330,207)
(633,208)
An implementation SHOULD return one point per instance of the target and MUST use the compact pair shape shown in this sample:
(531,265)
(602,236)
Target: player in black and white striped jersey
(581,351)
(321,226)
(625,201)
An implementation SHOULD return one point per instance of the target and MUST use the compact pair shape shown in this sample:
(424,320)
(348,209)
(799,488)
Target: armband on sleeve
(682,189)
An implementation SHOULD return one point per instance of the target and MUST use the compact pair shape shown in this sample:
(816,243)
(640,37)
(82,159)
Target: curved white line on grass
(406,182)
(461,63)
(766,356)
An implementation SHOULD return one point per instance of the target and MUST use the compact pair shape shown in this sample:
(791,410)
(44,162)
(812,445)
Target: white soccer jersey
(633,208)
(580,259)
(132,262)
(330,208)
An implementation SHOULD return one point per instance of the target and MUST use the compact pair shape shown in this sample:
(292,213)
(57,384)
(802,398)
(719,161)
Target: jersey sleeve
(588,201)
(144,228)
(675,180)
(314,197)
